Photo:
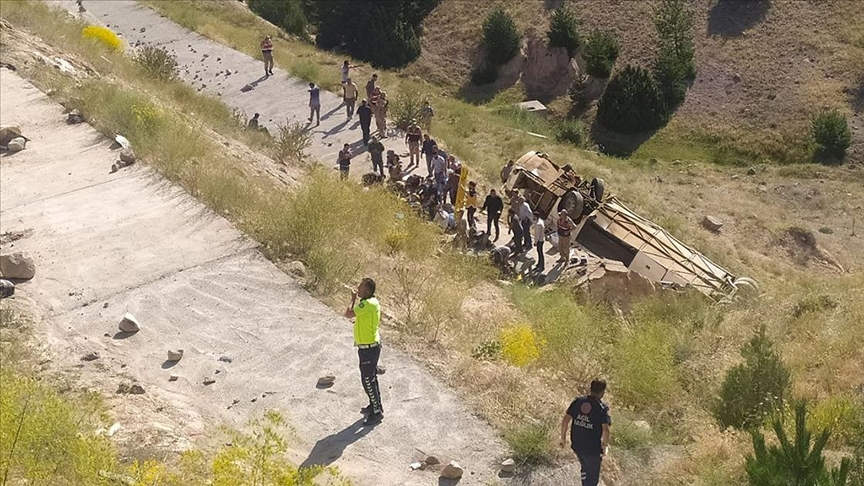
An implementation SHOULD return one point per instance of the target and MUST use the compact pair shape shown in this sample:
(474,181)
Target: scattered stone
(297,268)
(16,144)
(7,288)
(127,156)
(127,389)
(143,29)
(174,377)
(736,77)
(415,466)
(91,356)
(452,471)
(74,117)
(508,466)
(751,171)
(712,223)
(8,133)
(113,429)
(423,465)
(642,425)
(326,381)
(432,461)
(17,266)
(826,230)
(105,305)
(380,370)
(175,355)
(129,323)
(225,359)
(208,381)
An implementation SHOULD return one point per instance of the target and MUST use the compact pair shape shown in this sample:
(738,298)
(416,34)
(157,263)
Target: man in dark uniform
(589,435)
(367,318)
(365,115)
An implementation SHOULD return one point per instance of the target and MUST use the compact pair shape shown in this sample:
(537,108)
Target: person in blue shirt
(590,430)
(314,103)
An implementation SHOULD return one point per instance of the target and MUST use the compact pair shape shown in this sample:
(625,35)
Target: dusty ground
(106,244)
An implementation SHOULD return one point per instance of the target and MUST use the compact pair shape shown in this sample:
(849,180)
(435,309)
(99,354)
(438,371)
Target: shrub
(670,76)
(831,132)
(578,93)
(797,461)
(843,415)
(291,142)
(102,35)
(754,389)
(632,102)
(489,349)
(519,345)
(500,37)
(406,106)
(571,131)
(643,365)
(813,304)
(530,444)
(674,22)
(157,62)
(563,30)
(600,53)
(286,14)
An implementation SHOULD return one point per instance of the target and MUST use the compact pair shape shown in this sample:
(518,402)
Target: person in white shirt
(526,217)
(539,230)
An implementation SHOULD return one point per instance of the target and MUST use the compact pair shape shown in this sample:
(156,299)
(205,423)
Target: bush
(571,131)
(643,366)
(530,444)
(831,132)
(157,62)
(843,414)
(406,106)
(519,345)
(671,77)
(286,14)
(674,22)
(500,37)
(563,30)
(798,461)
(754,389)
(291,143)
(578,93)
(632,102)
(102,35)
(600,53)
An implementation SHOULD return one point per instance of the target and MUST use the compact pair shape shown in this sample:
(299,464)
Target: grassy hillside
(764,68)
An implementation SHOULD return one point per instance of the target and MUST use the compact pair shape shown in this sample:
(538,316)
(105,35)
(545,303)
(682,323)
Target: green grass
(531,443)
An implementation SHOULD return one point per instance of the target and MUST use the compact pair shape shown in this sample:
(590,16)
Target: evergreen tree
(674,22)
(563,30)
(632,102)
(500,37)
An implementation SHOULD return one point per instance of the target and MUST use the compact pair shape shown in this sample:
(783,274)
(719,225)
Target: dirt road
(106,244)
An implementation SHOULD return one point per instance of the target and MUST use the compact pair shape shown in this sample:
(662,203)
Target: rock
(380,370)
(225,359)
(7,288)
(8,132)
(432,461)
(74,117)
(174,377)
(175,354)
(751,171)
(91,356)
(113,429)
(712,223)
(415,466)
(508,466)
(297,268)
(129,323)
(208,381)
(127,156)
(127,389)
(17,266)
(736,77)
(143,29)
(326,381)
(16,144)
(452,471)
(642,425)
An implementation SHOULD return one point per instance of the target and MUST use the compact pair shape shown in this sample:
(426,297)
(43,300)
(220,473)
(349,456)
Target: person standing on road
(589,434)
(471,204)
(565,230)
(349,96)
(344,161)
(493,205)
(367,319)
(314,103)
(346,71)
(506,170)
(439,172)
(515,228)
(426,150)
(364,113)
(539,229)
(376,151)
(412,139)
(371,85)
(526,217)
(426,115)
(381,113)
(267,53)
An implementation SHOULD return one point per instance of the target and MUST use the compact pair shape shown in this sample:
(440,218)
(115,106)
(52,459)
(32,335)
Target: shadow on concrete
(448,482)
(731,18)
(123,335)
(168,364)
(330,448)
(258,81)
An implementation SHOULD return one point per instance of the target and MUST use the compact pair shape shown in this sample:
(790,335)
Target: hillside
(763,67)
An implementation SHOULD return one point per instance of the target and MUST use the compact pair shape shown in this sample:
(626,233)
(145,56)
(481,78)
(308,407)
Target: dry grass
(697,343)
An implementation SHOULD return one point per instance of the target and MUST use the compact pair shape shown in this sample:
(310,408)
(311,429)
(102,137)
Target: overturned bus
(606,228)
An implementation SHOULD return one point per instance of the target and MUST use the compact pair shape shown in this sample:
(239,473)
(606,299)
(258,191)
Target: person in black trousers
(516,228)
(590,427)
(364,113)
(493,205)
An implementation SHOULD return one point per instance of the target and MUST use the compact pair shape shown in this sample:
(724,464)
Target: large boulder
(129,323)
(17,266)
(452,471)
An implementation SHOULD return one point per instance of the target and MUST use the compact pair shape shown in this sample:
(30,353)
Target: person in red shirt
(267,52)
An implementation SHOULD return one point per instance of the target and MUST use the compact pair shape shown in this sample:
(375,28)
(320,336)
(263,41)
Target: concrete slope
(203,64)
(106,244)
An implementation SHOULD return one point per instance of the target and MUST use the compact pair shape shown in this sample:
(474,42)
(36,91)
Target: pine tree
(632,102)
(563,30)
(674,22)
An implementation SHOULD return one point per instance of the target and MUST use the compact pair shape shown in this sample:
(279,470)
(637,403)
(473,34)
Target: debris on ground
(74,117)
(17,266)
(129,323)
(7,288)
(326,381)
(173,377)
(432,461)
(208,381)
(91,356)
(175,355)
(10,134)
(712,223)
(127,389)
(452,471)
(508,465)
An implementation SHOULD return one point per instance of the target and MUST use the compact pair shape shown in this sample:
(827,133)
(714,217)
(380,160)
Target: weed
(519,345)
(157,62)
(102,35)
(643,366)
(291,142)
(843,415)
(406,108)
(813,304)
(531,444)
(488,350)
(571,131)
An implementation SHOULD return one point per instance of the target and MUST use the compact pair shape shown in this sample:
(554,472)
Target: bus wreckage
(608,229)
